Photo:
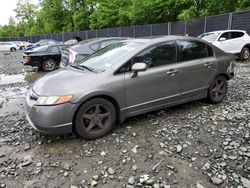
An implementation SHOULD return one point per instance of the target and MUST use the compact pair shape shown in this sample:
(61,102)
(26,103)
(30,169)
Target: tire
(95,118)
(49,65)
(244,54)
(12,49)
(217,90)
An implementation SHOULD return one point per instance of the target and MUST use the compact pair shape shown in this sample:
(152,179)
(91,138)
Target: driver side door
(158,85)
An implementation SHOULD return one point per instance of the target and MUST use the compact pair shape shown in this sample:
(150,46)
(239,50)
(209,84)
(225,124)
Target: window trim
(141,51)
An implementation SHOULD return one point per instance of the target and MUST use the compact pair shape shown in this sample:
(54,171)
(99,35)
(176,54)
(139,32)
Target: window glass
(190,50)
(108,42)
(236,35)
(54,49)
(51,42)
(209,37)
(157,56)
(95,46)
(110,55)
(225,35)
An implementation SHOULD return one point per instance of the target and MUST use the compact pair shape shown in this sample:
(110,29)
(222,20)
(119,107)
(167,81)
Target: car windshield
(40,48)
(108,56)
(209,37)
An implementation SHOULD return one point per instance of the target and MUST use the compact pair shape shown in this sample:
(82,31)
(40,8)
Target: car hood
(65,81)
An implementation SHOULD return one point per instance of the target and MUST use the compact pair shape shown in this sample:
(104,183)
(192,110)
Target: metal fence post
(86,34)
(205,25)
(151,29)
(185,32)
(169,28)
(230,18)
(134,30)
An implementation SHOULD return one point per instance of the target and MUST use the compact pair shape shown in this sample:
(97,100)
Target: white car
(8,46)
(231,41)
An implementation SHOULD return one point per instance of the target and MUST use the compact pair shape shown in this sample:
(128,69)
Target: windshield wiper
(88,68)
(82,67)
(77,67)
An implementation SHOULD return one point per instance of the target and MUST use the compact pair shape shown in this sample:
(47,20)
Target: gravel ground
(190,145)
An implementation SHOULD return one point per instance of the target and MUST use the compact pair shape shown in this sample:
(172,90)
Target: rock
(198,185)
(216,180)
(156,185)
(39,164)
(103,153)
(27,161)
(131,180)
(206,166)
(95,177)
(111,171)
(66,166)
(73,186)
(134,149)
(178,148)
(245,182)
(134,167)
(65,174)
(93,183)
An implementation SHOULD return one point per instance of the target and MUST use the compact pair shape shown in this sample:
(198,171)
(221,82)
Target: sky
(7,9)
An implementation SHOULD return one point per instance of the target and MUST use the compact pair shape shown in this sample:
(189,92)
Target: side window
(225,35)
(190,50)
(236,35)
(95,46)
(108,42)
(157,56)
(54,49)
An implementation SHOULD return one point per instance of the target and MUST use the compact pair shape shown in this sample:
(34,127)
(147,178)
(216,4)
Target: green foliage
(54,16)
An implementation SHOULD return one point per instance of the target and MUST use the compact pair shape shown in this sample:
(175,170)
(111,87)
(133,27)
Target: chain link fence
(236,20)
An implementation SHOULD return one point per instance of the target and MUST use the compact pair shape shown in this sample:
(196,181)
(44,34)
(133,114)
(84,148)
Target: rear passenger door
(197,64)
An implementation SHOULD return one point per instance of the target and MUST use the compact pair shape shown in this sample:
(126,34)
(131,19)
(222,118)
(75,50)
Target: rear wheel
(95,118)
(217,90)
(245,54)
(12,49)
(49,65)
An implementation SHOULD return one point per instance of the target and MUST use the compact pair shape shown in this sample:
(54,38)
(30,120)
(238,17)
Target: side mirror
(138,67)
(222,39)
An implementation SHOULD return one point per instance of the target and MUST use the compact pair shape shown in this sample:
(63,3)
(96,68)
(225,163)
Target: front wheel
(245,54)
(12,49)
(95,118)
(217,90)
(49,65)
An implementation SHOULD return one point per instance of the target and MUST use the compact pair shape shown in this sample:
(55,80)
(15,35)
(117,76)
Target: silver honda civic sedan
(126,79)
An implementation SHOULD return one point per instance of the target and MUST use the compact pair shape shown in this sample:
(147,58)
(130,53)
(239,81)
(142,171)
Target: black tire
(12,49)
(245,54)
(95,118)
(217,90)
(49,65)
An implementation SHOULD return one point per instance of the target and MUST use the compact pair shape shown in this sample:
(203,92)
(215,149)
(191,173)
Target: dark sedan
(84,48)
(126,79)
(45,57)
(41,43)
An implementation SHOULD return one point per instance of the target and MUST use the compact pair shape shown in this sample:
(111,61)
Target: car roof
(222,31)
(152,40)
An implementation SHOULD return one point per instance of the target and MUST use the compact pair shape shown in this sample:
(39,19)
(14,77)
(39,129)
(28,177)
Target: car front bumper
(55,120)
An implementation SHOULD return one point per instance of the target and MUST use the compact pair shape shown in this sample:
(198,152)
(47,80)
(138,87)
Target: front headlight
(53,100)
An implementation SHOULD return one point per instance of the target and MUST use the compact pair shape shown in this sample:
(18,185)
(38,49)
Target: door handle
(172,72)
(208,65)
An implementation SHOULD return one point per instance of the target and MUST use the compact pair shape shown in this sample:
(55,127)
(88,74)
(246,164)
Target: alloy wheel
(97,118)
(218,89)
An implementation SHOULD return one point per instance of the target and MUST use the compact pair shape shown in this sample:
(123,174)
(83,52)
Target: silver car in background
(126,79)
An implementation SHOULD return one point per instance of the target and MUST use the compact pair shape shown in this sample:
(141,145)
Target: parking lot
(192,145)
